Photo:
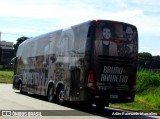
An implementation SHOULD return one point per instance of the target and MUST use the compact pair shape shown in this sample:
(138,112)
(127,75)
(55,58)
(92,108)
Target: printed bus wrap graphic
(113,77)
(114,74)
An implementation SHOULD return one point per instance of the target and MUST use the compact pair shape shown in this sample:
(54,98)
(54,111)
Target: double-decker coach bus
(94,62)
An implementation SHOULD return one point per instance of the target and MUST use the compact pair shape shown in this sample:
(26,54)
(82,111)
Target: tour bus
(92,62)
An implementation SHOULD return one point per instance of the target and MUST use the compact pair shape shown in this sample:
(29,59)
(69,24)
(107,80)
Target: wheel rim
(61,96)
(50,95)
(20,87)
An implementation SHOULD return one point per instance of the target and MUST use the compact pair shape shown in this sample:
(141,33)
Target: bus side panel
(60,60)
(69,65)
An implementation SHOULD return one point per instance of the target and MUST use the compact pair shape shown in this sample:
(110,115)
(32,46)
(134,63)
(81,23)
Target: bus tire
(60,96)
(50,93)
(20,88)
(87,104)
(100,104)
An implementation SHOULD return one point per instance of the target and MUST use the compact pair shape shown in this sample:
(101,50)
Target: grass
(147,92)
(144,101)
(147,79)
(148,89)
(6,76)
(150,97)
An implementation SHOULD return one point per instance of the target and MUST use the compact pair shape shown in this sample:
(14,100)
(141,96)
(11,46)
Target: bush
(6,76)
(147,79)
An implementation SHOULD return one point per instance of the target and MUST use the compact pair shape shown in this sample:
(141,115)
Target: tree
(144,60)
(19,41)
(156,62)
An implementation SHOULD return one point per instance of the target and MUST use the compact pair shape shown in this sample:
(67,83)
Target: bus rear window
(115,39)
(116,32)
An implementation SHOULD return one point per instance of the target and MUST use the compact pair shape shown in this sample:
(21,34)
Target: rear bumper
(114,97)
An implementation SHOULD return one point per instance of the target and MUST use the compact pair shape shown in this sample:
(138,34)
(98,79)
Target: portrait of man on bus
(103,43)
(125,34)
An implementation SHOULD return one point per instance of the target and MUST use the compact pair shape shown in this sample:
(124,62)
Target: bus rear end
(112,76)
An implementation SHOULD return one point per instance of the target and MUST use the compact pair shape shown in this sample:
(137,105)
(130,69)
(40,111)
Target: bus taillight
(91,77)
(91,80)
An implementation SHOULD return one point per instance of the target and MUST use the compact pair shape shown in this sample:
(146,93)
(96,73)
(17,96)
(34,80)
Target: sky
(31,18)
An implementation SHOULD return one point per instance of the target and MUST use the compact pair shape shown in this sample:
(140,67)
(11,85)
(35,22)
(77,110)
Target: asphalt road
(27,105)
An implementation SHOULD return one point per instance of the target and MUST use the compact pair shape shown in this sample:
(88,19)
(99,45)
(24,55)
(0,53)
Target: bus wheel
(101,105)
(50,94)
(60,96)
(20,88)
(87,104)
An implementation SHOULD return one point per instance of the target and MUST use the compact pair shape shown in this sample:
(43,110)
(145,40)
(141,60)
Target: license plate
(114,96)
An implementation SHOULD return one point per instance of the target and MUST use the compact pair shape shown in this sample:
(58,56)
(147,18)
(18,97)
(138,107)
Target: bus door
(115,51)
